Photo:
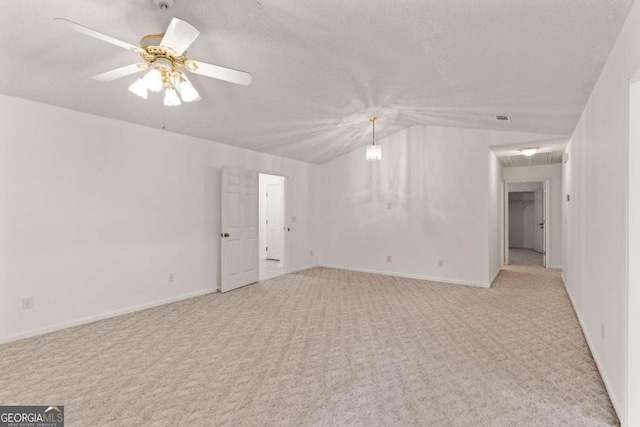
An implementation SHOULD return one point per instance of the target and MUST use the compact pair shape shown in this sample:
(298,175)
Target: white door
(239,232)
(275,231)
(544,225)
(539,220)
(505,228)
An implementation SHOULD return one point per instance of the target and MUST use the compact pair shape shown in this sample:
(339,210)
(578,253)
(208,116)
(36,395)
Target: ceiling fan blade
(95,34)
(118,72)
(179,35)
(222,73)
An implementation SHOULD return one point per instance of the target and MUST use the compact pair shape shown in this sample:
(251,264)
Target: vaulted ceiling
(320,69)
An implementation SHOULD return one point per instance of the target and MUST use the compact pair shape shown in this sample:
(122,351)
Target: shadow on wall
(410,178)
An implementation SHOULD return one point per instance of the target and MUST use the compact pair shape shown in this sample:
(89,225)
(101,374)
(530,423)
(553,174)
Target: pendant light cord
(373,122)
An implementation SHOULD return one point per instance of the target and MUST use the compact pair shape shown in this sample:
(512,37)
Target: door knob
(224,234)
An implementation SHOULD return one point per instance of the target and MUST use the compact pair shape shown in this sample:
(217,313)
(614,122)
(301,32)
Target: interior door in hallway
(239,231)
(540,223)
(275,230)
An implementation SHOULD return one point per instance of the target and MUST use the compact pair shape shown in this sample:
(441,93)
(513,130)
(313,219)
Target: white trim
(502,219)
(410,276)
(546,185)
(286,214)
(632,297)
(95,318)
(504,223)
(595,358)
(546,193)
(300,270)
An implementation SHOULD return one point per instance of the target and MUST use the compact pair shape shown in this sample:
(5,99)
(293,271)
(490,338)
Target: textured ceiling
(320,68)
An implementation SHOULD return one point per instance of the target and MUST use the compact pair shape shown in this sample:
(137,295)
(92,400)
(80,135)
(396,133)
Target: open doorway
(526,213)
(271,207)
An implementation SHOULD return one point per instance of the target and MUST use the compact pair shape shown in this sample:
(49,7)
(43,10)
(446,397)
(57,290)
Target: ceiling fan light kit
(139,87)
(171,98)
(165,62)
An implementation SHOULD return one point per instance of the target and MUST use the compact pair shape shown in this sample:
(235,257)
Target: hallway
(524,257)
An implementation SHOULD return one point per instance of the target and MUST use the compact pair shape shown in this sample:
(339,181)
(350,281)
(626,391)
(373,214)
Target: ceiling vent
(503,118)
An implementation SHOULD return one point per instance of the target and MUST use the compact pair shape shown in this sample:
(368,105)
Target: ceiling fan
(164,63)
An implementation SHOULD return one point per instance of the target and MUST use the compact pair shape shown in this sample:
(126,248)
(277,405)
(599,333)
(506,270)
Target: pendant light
(374,152)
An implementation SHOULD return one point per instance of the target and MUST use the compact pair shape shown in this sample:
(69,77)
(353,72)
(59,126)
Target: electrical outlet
(171,277)
(388,258)
(311,252)
(27,303)
(441,263)
(293,219)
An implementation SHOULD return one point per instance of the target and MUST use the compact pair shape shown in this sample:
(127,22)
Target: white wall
(495,216)
(596,177)
(95,213)
(519,187)
(264,180)
(435,195)
(554,174)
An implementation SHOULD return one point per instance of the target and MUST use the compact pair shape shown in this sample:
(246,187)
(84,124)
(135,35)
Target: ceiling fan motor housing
(163,4)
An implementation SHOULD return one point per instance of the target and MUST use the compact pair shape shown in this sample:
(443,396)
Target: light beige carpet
(325,348)
(519,256)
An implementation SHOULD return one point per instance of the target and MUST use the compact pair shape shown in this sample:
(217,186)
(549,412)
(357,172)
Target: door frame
(285,215)
(632,321)
(504,215)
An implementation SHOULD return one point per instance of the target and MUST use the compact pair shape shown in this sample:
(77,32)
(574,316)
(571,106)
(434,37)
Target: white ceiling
(321,68)
(550,152)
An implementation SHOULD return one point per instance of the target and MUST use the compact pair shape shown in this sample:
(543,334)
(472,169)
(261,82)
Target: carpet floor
(325,348)
(519,256)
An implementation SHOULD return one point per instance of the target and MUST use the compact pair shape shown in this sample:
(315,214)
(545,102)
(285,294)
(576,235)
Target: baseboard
(593,354)
(91,319)
(299,270)
(410,276)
